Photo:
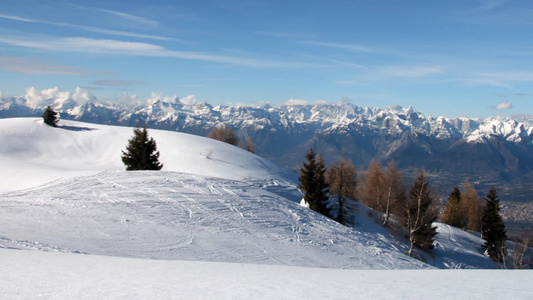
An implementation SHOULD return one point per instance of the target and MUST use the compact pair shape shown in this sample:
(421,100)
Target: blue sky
(454,58)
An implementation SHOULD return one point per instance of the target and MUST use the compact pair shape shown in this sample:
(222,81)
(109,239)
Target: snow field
(32,274)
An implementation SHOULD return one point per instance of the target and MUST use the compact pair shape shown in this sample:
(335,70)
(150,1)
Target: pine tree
(419,214)
(341,179)
(50,116)
(313,183)
(493,228)
(141,152)
(454,214)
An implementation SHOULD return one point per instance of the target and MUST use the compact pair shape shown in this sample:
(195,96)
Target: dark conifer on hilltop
(50,116)
(141,152)
(313,183)
(493,228)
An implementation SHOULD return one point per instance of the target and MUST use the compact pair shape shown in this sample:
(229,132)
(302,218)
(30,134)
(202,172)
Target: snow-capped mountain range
(189,114)
(493,151)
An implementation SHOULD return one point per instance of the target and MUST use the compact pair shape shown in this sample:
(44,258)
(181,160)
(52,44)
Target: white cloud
(126,98)
(348,47)
(116,82)
(88,28)
(158,96)
(133,18)
(34,97)
(500,79)
(394,72)
(189,100)
(83,96)
(303,102)
(105,46)
(484,6)
(409,71)
(33,67)
(504,105)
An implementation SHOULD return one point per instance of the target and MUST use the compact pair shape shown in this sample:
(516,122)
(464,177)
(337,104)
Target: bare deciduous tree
(225,134)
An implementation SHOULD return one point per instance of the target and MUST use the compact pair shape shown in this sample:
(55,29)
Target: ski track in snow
(166,215)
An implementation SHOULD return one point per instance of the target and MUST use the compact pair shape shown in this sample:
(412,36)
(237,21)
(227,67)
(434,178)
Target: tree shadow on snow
(76,128)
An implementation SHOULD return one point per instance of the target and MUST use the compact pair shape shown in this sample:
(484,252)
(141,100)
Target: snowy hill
(230,206)
(211,205)
(32,153)
(496,151)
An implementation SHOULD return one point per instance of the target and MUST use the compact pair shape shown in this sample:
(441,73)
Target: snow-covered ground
(33,153)
(216,222)
(32,275)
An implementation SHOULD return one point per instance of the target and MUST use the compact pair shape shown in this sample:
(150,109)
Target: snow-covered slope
(32,153)
(171,215)
(31,275)
(215,202)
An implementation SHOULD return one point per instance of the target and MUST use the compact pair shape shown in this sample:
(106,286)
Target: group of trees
(415,209)
(466,211)
(463,208)
(382,190)
(226,134)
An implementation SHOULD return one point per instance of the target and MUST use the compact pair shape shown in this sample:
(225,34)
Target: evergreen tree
(313,183)
(50,116)
(419,214)
(141,152)
(493,228)
(341,179)
(454,214)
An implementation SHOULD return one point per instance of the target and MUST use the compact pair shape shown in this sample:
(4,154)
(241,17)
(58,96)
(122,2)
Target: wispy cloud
(133,18)
(385,73)
(484,6)
(504,105)
(348,47)
(500,79)
(409,71)
(284,35)
(115,82)
(88,28)
(126,16)
(33,67)
(105,46)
